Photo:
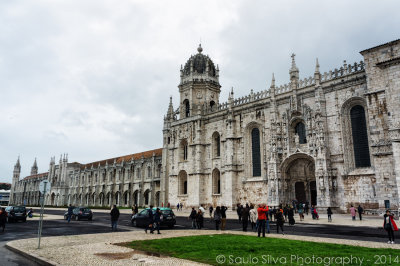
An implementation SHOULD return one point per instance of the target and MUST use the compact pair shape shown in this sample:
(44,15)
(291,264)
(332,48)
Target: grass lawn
(227,249)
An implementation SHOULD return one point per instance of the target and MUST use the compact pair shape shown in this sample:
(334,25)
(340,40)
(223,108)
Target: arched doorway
(146,197)
(53,197)
(136,197)
(298,180)
(157,202)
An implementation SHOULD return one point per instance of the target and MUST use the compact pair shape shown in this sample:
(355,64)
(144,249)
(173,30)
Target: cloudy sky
(93,78)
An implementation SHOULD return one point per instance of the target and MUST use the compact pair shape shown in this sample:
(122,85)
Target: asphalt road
(101,224)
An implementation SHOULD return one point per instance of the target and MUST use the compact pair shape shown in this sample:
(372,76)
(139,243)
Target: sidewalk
(98,249)
(337,219)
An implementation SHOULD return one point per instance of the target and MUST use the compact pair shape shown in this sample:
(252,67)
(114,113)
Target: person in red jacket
(390,226)
(262,219)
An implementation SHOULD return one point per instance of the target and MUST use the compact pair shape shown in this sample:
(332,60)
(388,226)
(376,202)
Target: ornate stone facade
(332,139)
(124,181)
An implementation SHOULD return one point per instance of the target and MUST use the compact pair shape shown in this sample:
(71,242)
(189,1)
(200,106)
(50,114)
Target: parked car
(141,219)
(16,213)
(80,213)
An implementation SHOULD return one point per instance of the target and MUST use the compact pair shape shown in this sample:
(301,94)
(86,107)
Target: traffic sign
(44,186)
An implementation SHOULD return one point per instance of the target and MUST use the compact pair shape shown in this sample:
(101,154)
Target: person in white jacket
(253,218)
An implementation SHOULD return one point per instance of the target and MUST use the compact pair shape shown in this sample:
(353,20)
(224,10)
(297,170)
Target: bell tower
(199,87)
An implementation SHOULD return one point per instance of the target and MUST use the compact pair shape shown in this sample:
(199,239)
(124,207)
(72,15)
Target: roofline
(381,45)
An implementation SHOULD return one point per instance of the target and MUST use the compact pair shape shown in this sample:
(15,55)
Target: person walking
(306,207)
(245,217)
(150,220)
(285,211)
(181,205)
(315,212)
(70,212)
(239,211)
(262,217)
(280,220)
(389,225)
(199,219)
(353,212)
(177,207)
(291,216)
(300,211)
(3,218)
(157,222)
(217,217)
(329,212)
(223,217)
(192,216)
(253,217)
(210,209)
(360,211)
(114,217)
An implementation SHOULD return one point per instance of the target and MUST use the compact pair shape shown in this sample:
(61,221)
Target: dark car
(16,213)
(141,219)
(80,213)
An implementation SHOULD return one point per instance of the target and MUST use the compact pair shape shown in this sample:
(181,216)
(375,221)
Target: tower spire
(34,169)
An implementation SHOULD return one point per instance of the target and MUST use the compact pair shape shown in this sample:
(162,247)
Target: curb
(35,258)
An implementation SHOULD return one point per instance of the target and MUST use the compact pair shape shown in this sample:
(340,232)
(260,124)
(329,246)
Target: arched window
(187,107)
(300,130)
(255,151)
(183,189)
(216,180)
(360,137)
(184,150)
(148,172)
(138,173)
(159,170)
(216,145)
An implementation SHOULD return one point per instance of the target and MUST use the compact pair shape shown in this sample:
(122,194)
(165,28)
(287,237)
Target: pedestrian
(177,207)
(203,212)
(245,217)
(70,212)
(262,218)
(168,205)
(223,217)
(150,220)
(280,220)
(217,217)
(181,205)
(285,212)
(192,216)
(157,222)
(353,213)
(210,209)
(114,217)
(253,217)
(390,226)
(239,211)
(360,211)
(3,218)
(315,212)
(199,219)
(30,213)
(291,216)
(136,210)
(306,207)
(329,212)
(301,211)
